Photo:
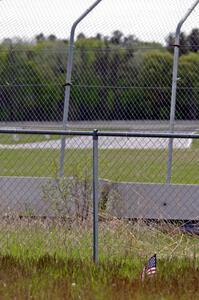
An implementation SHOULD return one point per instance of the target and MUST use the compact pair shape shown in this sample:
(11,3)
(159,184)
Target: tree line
(114,78)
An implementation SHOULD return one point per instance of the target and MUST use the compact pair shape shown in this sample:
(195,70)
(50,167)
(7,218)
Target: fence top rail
(99,133)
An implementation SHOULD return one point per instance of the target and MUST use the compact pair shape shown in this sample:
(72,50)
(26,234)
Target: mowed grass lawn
(117,165)
(114,164)
(9,139)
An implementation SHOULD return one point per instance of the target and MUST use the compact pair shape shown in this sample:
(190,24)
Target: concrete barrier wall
(154,201)
(23,195)
(34,195)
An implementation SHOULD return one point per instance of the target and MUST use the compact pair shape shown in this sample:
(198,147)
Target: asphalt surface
(140,125)
(84,142)
(104,142)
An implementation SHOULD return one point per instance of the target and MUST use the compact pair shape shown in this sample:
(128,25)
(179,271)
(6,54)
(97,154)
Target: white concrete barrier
(34,196)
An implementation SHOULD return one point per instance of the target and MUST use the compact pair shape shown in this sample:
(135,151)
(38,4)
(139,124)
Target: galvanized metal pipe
(68,79)
(174,87)
(95,197)
(122,134)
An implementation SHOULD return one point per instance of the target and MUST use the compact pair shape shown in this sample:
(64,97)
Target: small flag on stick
(150,268)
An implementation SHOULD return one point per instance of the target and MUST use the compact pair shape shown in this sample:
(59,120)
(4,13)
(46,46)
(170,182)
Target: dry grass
(51,258)
(67,238)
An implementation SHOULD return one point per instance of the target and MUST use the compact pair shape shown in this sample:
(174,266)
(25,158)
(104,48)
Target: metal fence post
(95,196)
(174,87)
(68,80)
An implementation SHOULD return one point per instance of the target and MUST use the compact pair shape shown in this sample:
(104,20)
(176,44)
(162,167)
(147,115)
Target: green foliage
(137,165)
(194,39)
(114,78)
(184,43)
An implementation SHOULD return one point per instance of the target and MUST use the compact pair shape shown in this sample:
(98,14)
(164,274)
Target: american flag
(150,268)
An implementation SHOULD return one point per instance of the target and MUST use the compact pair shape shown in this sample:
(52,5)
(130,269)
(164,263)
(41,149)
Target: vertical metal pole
(95,196)
(173,105)
(68,80)
(174,87)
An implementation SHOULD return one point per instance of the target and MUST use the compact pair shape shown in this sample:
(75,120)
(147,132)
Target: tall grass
(52,259)
(32,238)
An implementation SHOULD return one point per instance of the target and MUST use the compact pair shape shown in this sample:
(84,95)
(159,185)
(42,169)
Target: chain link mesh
(121,80)
(138,207)
(116,89)
(52,214)
(40,211)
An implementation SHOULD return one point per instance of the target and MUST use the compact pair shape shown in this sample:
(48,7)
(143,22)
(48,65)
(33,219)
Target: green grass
(52,259)
(134,165)
(31,238)
(48,259)
(117,165)
(49,278)
(25,138)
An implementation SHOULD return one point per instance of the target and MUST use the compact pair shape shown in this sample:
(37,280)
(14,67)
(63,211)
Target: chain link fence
(120,82)
(43,212)
(119,88)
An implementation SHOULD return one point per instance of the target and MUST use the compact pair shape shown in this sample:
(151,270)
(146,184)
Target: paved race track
(84,142)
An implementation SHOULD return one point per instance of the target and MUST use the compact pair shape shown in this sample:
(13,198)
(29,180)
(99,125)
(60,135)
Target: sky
(150,20)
